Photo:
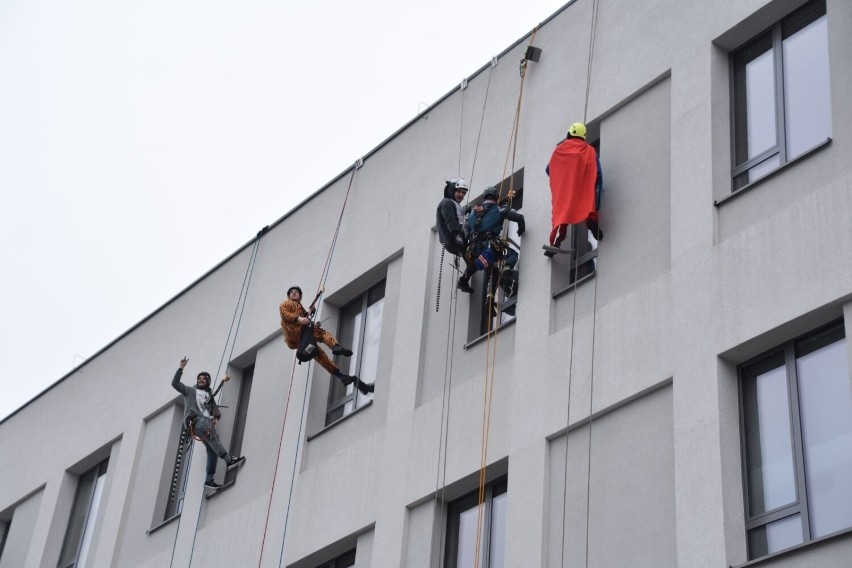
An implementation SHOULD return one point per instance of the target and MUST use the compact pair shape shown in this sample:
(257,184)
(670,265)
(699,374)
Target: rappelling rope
(237,317)
(320,287)
(491,346)
(592,33)
(441,462)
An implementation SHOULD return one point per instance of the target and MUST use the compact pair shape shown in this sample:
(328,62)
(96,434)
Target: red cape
(573,171)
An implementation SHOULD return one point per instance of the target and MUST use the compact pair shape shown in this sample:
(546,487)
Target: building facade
(677,394)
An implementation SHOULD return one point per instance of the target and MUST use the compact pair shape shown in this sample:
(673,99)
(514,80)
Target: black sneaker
(592,225)
(345,379)
(365,388)
(212,485)
(236,462)
(464,285)
(340,350)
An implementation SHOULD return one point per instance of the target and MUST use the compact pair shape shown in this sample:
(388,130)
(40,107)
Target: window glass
(462,522)
(797,441)
(78,535)
(781,99)
(498,531)
(775,536)
(755,69)
(826,404)
(467,538)
(361,328)
(772,481)
(806,88)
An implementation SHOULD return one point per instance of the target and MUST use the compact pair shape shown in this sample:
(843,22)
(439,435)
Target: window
(462,520)
(343,561)
(84,514)
(5,524)
(797,439)
(180,473)
(240,414)
(781,100)
(494,299)
(360,327)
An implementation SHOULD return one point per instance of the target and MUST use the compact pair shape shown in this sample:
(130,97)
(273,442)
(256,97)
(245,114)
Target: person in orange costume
(295,320)
(575,185)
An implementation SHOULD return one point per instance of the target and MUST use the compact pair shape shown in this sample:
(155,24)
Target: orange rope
(491,353)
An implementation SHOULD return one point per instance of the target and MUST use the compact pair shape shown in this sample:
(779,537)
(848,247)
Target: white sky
(143,142)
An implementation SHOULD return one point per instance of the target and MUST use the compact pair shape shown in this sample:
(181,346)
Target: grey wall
(687,289)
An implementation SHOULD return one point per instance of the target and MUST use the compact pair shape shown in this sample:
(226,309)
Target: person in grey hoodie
(200,414)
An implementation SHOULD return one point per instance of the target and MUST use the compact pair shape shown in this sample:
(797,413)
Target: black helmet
(291,288)
(490,193)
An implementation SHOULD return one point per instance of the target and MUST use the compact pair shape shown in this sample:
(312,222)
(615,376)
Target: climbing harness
(307,346)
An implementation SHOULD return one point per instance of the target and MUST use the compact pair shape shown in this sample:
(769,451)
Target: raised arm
(176,384)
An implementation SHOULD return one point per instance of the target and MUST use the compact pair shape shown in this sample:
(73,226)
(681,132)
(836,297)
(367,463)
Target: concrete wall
(686,290)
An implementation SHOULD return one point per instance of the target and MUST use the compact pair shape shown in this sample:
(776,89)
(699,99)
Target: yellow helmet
(578,130)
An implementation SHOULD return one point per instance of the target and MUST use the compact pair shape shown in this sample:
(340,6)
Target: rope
(591,420)
(463,87)
(591,57)
(324,275)
(491,347)
(481,120)
(441,482)
(239,308)
(568,406)
(592,33)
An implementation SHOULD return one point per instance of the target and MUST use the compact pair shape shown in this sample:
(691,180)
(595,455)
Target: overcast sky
(143,142)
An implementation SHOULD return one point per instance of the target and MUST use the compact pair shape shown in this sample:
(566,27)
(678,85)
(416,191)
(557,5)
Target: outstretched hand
(183,362)
(226,378)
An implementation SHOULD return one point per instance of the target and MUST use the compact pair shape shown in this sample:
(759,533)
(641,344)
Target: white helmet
(459,183)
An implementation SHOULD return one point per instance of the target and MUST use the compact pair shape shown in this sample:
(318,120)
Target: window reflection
(827,431)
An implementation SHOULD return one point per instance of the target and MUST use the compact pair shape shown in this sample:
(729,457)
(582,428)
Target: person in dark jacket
(449,218)
(201,414)
(484,226)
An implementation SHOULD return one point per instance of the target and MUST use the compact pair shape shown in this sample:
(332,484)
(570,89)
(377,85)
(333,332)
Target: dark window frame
(81,503)
(774,35)
(463,504)
(345,560)
(5,527)
(800,506)
(240,415)
(351,394)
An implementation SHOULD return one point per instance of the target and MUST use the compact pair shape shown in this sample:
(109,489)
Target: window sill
(339,420)
(485,336)
(225,486)
(794,549)
(584,279)
(782,167)
(160,525)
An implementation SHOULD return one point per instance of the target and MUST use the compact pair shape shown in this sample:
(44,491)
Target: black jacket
(447,221)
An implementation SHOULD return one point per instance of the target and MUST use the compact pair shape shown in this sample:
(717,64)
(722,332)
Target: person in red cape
(575,185)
